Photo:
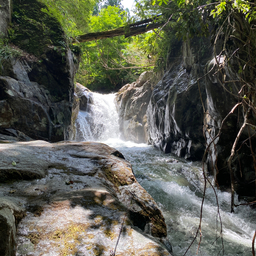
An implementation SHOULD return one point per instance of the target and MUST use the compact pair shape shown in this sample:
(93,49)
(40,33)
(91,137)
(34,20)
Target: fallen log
(136,28)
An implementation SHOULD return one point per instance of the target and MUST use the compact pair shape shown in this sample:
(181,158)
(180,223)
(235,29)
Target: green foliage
(183,19)
(116,3)
(245,7)
(73,15)
(33,30)
(8,52)
(105,63)
(160,2)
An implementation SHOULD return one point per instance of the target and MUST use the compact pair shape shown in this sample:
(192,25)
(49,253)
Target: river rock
(85,97)
(79,102)
(78,198)
(132,102)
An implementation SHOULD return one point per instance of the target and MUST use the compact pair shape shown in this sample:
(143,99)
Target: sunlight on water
(116,143)
(180,200)
(177,187)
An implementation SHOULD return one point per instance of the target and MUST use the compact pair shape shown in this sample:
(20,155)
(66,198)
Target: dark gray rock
(175,112)
(10,214)
(132,102)
(41,111)
(84,97)
(36,98)
(187,109)
(37,87)
(220,102)
(5,16)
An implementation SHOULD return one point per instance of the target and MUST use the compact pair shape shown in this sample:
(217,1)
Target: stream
(177,187)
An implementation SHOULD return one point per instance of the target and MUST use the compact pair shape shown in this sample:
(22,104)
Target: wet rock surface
(11,213)
(73,199)
(27,105)
(175,111)
(132,102)
(84,96)
(185,111)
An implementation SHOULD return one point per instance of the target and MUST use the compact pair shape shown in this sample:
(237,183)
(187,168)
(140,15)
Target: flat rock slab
(78,198)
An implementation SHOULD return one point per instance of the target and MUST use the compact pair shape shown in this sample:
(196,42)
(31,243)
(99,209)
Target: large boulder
(78,198)
(132,102)
(36,78)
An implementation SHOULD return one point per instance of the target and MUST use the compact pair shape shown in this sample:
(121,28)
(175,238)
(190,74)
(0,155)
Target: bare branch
(232,178)
(253,241)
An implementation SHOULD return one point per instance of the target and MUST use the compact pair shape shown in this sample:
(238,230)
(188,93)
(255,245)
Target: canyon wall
(187,115)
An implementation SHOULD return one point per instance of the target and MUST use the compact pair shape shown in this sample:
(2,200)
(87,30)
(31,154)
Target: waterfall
(177,187)
(100,120)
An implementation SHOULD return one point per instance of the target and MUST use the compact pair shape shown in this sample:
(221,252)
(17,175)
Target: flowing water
(177,187)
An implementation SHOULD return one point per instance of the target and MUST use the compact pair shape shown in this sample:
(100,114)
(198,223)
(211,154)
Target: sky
(127,3)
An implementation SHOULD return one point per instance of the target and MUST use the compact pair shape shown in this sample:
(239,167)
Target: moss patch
(66,238)
(108,233)
(119,178)
(34,238)
(99,249)
(33,28)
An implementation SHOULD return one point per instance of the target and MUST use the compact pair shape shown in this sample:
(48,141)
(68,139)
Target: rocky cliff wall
(36,83)
(175,111)
(222,123)
(132,102)
(187,114)
(5,16)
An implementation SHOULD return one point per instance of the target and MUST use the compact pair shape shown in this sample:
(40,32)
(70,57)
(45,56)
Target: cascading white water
(177,186)
(100,122)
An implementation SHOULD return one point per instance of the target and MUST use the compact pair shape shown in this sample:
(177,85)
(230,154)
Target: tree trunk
(136,28)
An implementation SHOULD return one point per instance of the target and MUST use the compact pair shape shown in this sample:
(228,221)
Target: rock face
(219,104)
(185,111)
(132,102)
(36,87)
(5,16)
(76,197)
(84,96)
(80,102)
(175,112)
(185,114)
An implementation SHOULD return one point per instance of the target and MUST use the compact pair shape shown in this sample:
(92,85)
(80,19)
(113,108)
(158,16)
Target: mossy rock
(34,29)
